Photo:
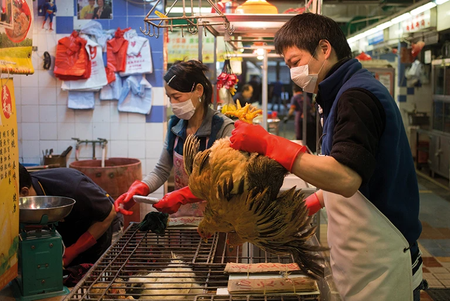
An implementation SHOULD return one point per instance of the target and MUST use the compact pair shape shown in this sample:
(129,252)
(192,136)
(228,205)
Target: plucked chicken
(176,282)
(242,194)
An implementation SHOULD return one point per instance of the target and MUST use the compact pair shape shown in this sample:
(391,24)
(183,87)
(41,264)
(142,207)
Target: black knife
(66,152)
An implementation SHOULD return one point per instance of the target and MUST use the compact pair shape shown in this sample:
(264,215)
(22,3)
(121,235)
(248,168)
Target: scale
(40,247)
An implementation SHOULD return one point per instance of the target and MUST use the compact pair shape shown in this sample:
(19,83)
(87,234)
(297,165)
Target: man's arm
(97,229)
(89,238)
(326,173)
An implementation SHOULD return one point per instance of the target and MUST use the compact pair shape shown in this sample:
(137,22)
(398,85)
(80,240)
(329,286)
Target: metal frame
(193,21)
(139,254)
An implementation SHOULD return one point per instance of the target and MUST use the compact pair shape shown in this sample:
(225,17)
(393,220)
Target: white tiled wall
(45,122)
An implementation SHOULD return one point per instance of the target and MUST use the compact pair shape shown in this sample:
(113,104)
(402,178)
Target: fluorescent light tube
(423,8)
(401,18)
(384,25)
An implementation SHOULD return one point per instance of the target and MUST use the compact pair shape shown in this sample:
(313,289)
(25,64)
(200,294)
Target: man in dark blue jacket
(366,175)
(87,231)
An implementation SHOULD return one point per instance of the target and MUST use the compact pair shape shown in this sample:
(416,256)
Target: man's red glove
(85,242)
(313,204)
(126,199)
(171,202)
(254,139)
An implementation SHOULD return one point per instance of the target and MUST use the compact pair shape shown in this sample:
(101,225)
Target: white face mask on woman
(301,77)
(183,110)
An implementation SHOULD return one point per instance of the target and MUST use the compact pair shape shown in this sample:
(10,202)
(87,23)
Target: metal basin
(44,209)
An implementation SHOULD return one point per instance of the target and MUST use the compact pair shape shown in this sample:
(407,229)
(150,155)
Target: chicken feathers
(241,190)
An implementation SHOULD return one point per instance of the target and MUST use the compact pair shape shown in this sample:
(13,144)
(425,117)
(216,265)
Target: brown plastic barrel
(115,178)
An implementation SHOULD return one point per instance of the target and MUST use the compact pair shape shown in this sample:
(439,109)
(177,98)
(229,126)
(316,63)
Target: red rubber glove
(171,202)
(85,242)
(254,139)
(126,199)
(313,204)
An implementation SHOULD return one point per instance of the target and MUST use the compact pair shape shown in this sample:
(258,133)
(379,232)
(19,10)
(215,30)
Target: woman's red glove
(84,243)
(254,139)
(125,201)
(313,204)
(171,202)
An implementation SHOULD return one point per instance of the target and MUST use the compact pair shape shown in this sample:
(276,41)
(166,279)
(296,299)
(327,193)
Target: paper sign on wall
(9,185)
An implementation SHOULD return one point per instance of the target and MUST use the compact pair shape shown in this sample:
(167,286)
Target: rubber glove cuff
(125,201)
(172,201)
(255,139)
(313,204)
(84,242)
(283,150)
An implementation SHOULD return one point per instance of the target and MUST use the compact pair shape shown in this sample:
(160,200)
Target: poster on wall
(6,13)
(385,76)
(94,9)
(9,185)
(16,40)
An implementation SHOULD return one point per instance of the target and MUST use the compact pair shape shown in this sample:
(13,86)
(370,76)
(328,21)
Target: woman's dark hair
(184,76)
(246,87)
(305,31)
(24,177)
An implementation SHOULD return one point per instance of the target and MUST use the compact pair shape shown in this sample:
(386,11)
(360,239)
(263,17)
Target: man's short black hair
(305,31)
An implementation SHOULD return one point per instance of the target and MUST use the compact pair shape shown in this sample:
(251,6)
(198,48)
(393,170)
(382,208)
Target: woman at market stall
(190,93)
(366,175)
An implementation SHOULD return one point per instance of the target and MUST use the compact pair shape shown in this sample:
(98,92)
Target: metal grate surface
(140,265)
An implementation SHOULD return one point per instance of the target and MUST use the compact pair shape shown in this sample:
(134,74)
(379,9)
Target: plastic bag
(116,50)
(94,28)
(72,60)
(136,96)
(139,59)
(98,75)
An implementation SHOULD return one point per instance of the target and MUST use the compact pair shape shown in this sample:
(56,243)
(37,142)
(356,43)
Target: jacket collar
(37,186)
(333,82)
(205,128)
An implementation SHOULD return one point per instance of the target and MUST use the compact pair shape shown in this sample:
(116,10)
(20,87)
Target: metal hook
(144,31)
(151,30)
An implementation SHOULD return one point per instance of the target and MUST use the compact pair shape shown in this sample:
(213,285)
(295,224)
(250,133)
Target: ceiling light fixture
(256,7)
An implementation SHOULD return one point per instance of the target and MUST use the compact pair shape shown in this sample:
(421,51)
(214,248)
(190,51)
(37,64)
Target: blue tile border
(157,114)
(401,98)
(410,90)
(64,24)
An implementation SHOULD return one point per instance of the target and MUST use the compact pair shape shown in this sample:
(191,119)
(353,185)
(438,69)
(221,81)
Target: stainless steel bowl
(44,209)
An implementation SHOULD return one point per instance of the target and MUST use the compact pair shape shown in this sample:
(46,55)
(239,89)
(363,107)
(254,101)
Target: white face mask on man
(183,110)
(301,77)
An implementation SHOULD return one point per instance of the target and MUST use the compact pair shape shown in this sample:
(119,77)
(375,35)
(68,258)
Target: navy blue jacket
(392,186)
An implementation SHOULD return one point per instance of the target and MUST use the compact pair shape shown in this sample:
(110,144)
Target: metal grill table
(136,254)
